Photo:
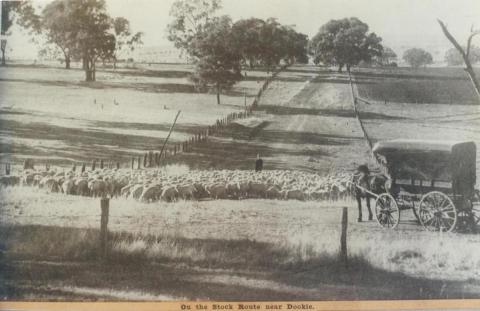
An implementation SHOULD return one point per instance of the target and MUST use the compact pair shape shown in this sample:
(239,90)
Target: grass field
(420,86)
(51,114)
(266,248)
(262,249)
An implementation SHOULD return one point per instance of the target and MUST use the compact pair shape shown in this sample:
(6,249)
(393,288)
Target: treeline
(74,30)
(219,47)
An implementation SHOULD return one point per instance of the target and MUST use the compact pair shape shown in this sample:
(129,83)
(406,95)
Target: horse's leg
(370,215)
(359,204)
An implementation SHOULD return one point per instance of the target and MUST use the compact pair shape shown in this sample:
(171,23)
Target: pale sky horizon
(401,23)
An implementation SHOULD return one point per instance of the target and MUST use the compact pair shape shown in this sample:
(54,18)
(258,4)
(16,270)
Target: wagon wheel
(437,212)
(469,217)
(386,211)
(415,212)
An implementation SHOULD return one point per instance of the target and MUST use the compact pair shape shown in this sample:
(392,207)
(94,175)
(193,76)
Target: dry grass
(248,234)
(421,86)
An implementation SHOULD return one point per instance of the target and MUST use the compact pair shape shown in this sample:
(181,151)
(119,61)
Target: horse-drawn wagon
(435,179)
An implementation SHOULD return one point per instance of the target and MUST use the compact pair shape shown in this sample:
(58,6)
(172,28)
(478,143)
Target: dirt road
(317,120)
(304,121)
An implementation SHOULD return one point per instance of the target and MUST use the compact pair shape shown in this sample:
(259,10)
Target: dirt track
(304,121)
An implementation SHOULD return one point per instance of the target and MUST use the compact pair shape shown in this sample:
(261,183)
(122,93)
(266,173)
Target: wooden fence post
(83,167)
(145,160)
(104,205)
(133,162)
(7,169)
(74,167)
(118,165)
(343,237)
(94,163)
(139,162)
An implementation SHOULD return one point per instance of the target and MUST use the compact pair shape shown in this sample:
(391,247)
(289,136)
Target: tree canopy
(83,30)
(125,41)
(217,62)
(246,36)
(416,57)
(345,42)
(189,18)
(386,57)
(21,12)
(58,28)
(218,47)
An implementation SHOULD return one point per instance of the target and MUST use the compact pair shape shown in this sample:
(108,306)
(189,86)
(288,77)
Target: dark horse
(363,180)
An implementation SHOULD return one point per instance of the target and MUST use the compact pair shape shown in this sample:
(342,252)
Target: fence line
(202,135)
(357,114)
(104,245)
(154,158)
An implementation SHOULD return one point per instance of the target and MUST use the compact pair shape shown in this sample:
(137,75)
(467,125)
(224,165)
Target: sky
(401,23)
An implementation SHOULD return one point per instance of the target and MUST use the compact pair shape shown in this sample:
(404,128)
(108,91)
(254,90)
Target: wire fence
(105,222)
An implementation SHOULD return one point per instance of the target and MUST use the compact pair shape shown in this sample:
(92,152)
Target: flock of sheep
(151,185)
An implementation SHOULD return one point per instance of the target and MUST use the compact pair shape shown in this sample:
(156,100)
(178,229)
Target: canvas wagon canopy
(448,161)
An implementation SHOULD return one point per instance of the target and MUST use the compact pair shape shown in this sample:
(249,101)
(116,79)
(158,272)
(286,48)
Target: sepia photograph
(243,155)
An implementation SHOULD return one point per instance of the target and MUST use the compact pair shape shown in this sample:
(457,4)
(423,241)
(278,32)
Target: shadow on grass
(83,144)
(36,257)
(399,75)
(178,74)
(185,88)
(338,113)
(237,149)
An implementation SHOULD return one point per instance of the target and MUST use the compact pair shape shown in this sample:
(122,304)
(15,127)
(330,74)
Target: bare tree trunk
(3,47)
(218,94)
(67,62)
(473,78)
(3,57)
(465,55)
(340,67)
(89,73)
(66,56)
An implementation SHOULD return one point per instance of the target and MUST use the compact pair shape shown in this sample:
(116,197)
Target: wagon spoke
(445,205)
(448,208)
(429,220)
(436,203)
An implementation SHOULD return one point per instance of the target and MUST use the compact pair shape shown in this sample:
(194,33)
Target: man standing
(258,164)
